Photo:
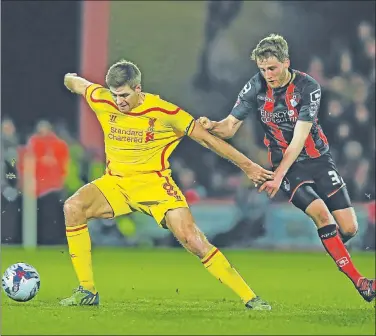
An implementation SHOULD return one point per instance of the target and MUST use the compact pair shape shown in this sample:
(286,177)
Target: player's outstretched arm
(255,173)
(75,83)
(223,129)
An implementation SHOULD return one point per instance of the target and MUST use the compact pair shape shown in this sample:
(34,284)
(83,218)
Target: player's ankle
(249,297)
(90,288)
(357,281)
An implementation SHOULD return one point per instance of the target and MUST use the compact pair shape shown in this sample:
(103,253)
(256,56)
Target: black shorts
(321,172)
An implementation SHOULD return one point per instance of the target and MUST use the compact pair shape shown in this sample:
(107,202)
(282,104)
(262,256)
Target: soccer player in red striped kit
(286,103)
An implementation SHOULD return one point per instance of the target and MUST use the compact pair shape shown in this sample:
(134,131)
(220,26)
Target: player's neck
(141,99)
(287,79)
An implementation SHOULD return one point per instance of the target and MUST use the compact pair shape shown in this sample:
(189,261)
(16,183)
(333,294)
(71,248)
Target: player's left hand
(272,187)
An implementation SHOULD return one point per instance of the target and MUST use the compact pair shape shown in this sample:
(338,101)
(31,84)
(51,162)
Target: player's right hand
(259,175)
(206,123)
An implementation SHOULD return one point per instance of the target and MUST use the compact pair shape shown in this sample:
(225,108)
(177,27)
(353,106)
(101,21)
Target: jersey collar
(292,72)
(293,75)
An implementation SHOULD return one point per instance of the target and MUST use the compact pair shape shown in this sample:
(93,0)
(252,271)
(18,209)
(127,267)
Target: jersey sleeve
(310,104)
(95,95)
(175,117)
(246,102)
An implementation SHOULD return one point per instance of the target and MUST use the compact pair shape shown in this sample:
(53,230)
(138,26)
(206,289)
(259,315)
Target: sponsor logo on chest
(131,135)
(278,116)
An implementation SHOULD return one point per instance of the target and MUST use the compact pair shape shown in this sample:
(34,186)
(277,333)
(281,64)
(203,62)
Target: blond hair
(272,45)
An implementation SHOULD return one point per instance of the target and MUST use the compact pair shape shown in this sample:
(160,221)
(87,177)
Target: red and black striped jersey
(279,109)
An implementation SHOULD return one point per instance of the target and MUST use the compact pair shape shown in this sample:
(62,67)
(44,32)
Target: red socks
(334,246)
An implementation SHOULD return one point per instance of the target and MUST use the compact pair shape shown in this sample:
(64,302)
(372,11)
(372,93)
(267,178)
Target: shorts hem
(335,191)
(162,214)
(108,201)
(298,186)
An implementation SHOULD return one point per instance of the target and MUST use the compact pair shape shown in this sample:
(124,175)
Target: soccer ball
(21,282)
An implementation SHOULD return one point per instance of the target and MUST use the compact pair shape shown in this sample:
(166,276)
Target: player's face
(274,71)
(125,98)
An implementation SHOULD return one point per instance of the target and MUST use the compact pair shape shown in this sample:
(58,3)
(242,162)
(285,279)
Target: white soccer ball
(21,282)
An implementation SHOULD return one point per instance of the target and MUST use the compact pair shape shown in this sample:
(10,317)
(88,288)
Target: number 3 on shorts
(336,179)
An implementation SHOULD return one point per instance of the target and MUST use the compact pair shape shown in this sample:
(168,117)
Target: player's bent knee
(74,212)
(350,230)
(196,244)
(347,222)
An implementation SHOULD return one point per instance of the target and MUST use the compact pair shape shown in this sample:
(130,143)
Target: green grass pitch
(168,291)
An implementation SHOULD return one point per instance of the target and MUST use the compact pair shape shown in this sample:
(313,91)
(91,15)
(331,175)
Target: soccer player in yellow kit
(140,132)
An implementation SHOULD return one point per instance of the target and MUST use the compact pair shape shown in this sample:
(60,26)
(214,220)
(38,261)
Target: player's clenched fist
(206,123)
(67,78)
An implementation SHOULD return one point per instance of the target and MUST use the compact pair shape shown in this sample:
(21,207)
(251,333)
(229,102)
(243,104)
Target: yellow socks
(217,264)
(80,252)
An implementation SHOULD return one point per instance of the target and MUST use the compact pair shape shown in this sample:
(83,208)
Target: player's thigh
(88,202)
(319,213)
(163,199)
(182,225)
(157,193)
(113,191)
(303,195)
(298,185)
(327,178)
(332,189)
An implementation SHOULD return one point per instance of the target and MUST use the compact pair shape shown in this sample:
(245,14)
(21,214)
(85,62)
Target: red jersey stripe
(159,109)
(163,163)
(310,147)
(104,101)
(289,94)
(87,88)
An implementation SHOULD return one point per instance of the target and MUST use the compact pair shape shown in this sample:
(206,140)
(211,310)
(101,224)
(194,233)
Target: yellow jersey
(141,140)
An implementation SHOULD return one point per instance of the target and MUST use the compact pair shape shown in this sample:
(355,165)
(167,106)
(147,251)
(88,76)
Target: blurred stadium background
(196,54)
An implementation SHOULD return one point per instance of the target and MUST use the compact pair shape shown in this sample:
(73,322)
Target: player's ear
(138,88)
(287,62)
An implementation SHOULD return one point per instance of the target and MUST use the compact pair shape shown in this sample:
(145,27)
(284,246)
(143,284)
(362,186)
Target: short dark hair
(272,45)
(123,73)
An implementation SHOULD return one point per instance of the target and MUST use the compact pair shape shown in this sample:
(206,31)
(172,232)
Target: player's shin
(337,250)
(217,264)
(80,252)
